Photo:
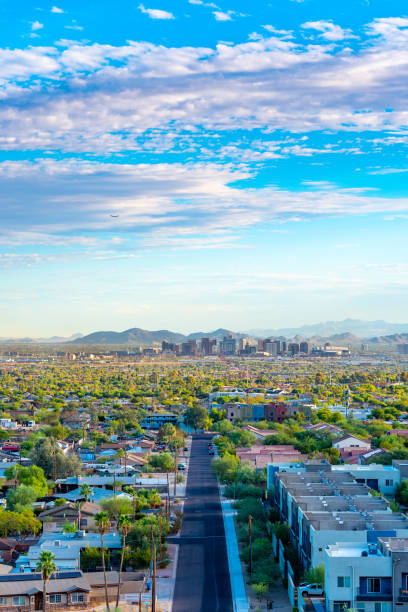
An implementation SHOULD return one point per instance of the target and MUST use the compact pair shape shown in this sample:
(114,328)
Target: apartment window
(19,600)
(3,601)
(78,597)
(380,606)
(56,598)
(373,585)
(389,483)
(343,581)
(360,606)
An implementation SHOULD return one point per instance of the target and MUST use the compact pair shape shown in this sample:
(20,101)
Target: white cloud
(329,31)
(159,203)
(156,13)
(36,25)
(222,16)
(56,9)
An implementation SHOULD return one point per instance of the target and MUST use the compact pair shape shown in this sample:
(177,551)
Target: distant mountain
(393,339)
(357,327)
(134,336)
(52,340)
(137,336)
(218,334)
(335,340)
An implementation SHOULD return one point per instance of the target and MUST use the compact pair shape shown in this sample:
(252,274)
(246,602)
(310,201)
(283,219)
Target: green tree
(47,455)
(22,497)
(226,468)
(32,476)
(162,462)
(47,568)
(315,574)
(86,491)
(196,417)
(115,506)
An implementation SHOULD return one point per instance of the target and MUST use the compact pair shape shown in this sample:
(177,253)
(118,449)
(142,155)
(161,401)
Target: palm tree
(124,527)
(86,491)
(103,523)
(47,567)
(78,506)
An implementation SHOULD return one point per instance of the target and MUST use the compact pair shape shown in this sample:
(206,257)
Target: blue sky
(254,156)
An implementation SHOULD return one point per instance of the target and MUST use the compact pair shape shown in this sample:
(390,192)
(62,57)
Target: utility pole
(153,573)
(175,468)
(140,602)
(160,540)
(250,544)
(125,461)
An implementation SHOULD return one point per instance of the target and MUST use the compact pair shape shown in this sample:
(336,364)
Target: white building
(358,576)
(351,442)
(383,478)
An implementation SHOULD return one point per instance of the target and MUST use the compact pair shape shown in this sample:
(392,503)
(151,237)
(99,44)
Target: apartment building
(367,577)
(323,506)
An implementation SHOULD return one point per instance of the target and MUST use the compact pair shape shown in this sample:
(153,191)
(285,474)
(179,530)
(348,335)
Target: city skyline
(199,165)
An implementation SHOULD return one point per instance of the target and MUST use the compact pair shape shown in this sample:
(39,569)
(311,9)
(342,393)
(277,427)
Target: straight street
(203,581)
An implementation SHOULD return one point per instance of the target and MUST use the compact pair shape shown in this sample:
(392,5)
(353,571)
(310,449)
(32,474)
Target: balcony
(362,595)
(402,596)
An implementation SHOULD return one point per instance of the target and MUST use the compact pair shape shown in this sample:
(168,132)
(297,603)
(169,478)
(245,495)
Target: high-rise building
(228,346)
(403,349)
(271,347)
(189,348)
(304,347)
(293,348)
(207,346)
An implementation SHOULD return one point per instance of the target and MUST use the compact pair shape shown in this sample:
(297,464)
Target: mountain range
(362,329)
(349,331)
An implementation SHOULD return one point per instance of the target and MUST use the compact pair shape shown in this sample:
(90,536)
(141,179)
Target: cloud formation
(155,13)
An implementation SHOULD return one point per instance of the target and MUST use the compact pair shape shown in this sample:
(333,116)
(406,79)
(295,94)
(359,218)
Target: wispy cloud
(36,25)
(329,30)
(56,9)
(156,13)
(223,16)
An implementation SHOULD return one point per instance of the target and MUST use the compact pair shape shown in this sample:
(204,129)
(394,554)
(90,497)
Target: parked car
(185,449)
(211,451)
(181,466)
(311,589)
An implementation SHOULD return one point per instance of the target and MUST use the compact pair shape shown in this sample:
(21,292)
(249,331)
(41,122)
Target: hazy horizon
(172,162)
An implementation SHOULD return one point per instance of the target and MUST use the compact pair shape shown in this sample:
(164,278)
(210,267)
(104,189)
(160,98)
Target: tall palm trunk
(44,595)
(104,575)
(120,570)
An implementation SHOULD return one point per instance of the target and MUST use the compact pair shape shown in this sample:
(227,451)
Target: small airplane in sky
(115,216)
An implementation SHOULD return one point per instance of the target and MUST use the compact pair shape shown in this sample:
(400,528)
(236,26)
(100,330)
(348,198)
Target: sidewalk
(239,597)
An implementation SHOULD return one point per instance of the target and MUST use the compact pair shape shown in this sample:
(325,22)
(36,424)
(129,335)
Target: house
(66,548)
(348,441)
(366,457)
(261,456)
(351,455)
(54,518)
(95,497)
(24,592)
(261,434)
(132,583)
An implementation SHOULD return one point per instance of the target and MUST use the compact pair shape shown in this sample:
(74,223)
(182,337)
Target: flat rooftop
(395,544)
(353,549)
(356,521)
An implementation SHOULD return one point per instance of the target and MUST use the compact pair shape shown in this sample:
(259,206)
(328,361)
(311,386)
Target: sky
(191,165)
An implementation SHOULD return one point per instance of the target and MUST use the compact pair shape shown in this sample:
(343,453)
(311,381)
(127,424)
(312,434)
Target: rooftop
(353,549)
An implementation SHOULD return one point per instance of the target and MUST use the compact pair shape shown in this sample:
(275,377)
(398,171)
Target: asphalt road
(202,581)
